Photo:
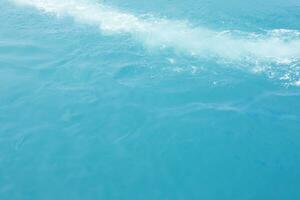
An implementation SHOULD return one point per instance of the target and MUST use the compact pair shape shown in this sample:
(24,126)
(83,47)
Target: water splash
(279,47)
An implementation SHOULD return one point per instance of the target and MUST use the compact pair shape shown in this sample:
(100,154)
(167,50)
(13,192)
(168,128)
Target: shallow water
(149,99)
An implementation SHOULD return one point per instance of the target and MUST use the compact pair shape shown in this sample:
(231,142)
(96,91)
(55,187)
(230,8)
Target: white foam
(180,35)
(297,83)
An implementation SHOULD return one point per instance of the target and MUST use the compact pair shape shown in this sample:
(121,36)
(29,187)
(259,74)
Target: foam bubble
(177,34)
(279,46)
(297,83)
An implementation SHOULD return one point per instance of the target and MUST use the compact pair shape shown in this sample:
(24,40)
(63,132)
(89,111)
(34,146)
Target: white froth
(279,47)
(197,41)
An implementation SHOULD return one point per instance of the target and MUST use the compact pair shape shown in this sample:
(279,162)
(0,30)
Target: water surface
(149,100)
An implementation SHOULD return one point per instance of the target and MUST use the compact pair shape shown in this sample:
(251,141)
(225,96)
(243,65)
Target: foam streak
(179,35)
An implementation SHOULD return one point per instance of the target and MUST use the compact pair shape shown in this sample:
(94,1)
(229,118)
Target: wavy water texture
(275,46)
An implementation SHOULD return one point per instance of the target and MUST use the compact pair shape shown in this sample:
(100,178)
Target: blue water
(149,100)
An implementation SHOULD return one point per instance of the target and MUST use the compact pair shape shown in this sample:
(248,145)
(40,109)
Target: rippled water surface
(150,100)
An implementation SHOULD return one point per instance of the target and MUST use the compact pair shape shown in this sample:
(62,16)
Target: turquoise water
(149,100)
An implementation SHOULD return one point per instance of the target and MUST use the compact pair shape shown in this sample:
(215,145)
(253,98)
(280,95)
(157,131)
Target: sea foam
(279,46)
